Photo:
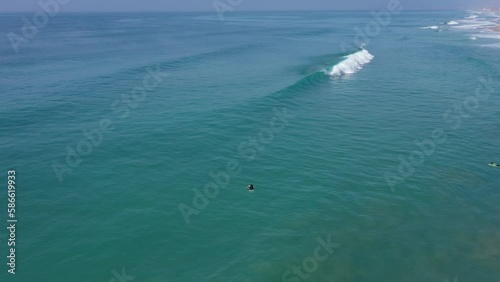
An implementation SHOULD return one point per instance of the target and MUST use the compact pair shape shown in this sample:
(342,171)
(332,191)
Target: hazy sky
(207,5)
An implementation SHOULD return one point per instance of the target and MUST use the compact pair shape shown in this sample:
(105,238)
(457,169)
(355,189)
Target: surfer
(250,187)
(493,164)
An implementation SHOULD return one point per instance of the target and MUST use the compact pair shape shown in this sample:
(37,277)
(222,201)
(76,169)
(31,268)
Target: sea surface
(134,136)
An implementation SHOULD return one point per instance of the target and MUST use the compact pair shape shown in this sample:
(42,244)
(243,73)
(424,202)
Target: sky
(242,5)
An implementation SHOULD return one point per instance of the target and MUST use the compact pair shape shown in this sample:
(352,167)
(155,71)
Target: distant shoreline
(497,28)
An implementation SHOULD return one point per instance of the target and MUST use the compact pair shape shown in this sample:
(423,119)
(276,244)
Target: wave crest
(352,63)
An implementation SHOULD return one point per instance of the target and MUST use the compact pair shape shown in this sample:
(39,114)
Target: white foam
(495,45)
(474,24)
(352,63)
(471,17)
(488,35)
(452,23)
(434,27)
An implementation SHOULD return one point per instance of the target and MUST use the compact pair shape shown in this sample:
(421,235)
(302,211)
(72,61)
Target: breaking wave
(434,27)
(351,63)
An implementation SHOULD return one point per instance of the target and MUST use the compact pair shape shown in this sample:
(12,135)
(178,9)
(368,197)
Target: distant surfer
(250,187)
(493,164)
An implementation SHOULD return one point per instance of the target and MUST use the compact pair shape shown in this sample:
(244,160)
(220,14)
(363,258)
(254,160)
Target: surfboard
(494,165)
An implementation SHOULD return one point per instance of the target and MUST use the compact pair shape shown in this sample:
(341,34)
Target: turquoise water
(253,96)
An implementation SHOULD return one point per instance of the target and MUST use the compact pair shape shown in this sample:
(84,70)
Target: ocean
(367,137)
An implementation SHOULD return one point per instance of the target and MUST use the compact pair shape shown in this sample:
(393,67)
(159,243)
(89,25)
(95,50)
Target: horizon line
(210,11)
